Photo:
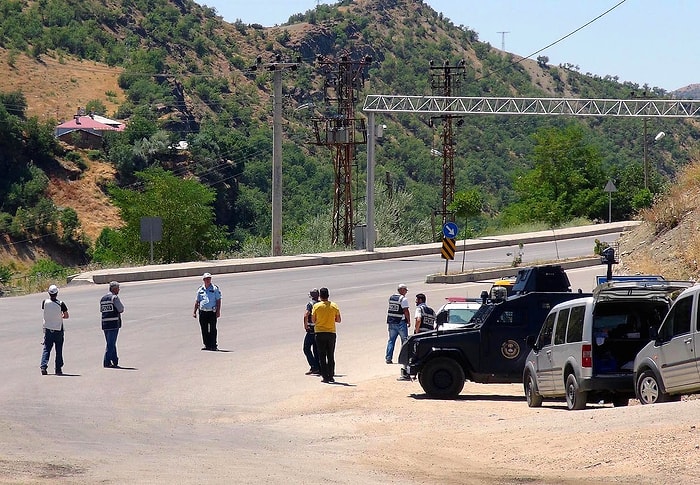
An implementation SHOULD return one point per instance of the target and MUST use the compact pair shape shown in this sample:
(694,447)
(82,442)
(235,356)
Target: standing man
(54,313)
(397,319)
(310,349)
(111,308)
(325,314)
(208,302)
(425,316)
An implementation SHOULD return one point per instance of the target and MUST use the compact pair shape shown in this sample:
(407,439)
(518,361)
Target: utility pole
(503,39)
(276,67)
(442,80)
(341,133)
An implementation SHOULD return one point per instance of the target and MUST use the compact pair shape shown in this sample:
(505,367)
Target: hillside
(188,72)
(667,241)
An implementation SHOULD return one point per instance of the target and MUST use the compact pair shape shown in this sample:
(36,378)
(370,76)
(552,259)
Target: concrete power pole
(276,68)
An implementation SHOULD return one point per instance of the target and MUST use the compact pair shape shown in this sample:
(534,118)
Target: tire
(649,389)
(575,397)
(534,400)
(442,378)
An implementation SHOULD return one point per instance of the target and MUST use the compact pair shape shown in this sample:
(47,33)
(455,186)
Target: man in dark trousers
(111,308)
(208,303)
(325,315)
(55,311)
(310,349)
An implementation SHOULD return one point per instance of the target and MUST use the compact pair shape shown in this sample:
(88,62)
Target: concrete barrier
(196,268)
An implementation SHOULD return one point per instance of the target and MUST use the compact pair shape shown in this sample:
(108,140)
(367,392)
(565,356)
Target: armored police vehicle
(491,348)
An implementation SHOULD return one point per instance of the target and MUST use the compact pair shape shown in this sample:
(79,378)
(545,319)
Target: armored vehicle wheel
(442,378)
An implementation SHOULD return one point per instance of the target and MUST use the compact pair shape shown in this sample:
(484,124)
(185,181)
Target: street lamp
(658,137)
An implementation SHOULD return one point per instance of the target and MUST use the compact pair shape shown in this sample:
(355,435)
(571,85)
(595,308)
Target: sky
(652,42)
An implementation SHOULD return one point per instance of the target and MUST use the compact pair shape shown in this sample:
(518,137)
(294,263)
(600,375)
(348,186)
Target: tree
(185,207)
(566,182)
(466,204)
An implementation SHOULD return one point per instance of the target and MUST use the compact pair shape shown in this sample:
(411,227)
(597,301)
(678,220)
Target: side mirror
(654,335)
(441,318)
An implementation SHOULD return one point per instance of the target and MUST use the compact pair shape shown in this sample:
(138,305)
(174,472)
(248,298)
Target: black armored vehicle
(492,347)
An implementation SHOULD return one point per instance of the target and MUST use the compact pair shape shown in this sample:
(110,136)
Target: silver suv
(586,349)
(668,365)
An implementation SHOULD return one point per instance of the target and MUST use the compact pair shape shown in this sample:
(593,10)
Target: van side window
(545,337)
(678,319)
(560,332)
(575,330)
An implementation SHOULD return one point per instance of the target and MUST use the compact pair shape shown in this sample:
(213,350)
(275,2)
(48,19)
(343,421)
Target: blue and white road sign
(450,230)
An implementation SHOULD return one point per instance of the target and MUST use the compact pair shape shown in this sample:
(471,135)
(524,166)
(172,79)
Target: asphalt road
(174,413)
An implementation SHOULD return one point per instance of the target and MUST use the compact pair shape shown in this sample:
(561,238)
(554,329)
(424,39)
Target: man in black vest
(111,308)
(425,316)
(310,349)
(397,320)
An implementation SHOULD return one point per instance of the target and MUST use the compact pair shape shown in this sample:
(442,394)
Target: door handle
(689,340)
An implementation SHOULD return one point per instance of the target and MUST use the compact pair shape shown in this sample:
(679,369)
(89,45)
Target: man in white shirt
(54,313)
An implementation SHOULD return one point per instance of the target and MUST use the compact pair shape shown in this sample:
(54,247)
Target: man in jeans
(397,320)
(111,308)
(310,349)
(55,311)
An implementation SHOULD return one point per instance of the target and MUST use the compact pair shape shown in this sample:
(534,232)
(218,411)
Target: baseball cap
(206,275)
(402,287)
(53,290)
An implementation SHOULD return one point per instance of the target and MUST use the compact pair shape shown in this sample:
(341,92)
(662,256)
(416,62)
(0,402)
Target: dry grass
(668,242)
(54,89)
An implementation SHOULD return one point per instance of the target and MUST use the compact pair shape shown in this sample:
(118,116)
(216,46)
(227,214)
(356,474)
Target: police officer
(397,320)
(425,316)
(54,313)
(310,349)
(111,308)
(208,302)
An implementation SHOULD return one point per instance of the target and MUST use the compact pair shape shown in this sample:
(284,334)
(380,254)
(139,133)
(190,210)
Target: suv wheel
(442,378)
(575,397)
(649,390)
(534,400)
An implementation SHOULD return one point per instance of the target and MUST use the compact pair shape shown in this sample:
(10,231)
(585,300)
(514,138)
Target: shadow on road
(472,397)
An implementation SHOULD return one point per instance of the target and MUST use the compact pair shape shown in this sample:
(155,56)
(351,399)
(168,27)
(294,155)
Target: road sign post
(447,251)
(449,231)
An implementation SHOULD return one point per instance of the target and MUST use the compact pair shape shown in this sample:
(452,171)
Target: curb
(494,273)
(180,270)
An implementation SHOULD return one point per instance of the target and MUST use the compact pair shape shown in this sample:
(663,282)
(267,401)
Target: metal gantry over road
(460,105)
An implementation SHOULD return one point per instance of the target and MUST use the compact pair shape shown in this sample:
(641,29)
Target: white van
(668,365)
(587,346)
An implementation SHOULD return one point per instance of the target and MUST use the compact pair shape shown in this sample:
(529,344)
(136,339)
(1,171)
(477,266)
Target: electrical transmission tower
(341,133)
(444,80)
(503,39)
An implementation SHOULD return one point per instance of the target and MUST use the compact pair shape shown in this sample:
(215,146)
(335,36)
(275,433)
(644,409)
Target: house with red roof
(86,131)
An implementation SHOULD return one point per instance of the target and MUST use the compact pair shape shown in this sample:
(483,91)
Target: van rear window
(574,332)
